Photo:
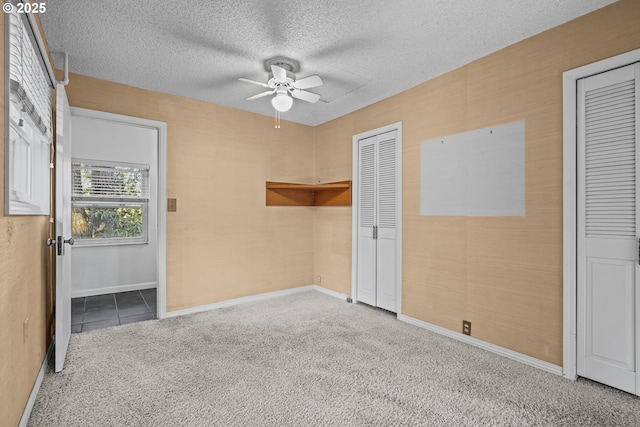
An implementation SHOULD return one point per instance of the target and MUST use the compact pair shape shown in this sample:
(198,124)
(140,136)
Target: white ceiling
(364,50)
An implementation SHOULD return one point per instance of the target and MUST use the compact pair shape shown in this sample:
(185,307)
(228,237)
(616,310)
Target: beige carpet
(307,360)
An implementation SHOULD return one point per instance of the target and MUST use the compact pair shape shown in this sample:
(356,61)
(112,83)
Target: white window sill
(94,244)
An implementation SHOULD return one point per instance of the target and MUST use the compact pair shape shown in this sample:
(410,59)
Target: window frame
(120,203)
(27,171)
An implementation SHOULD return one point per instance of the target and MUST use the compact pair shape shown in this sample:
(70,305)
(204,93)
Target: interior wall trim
(514,355)
(113,289)
(569,200)
(254,298)
(236,301)
(26,414)
(330,292)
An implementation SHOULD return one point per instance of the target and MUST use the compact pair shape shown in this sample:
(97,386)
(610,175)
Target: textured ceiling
(364,50)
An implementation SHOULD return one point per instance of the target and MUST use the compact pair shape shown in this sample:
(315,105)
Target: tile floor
(102,311)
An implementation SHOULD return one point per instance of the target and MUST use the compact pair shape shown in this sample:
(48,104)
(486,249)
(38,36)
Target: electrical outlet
(172,205)
(25,330)
(319,279)
(466,327)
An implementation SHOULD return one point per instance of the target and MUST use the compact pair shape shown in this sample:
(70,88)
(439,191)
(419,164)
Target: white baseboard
(523,358)
(253,298)
(330,292)
(36,387)
(112,289)
(236,301)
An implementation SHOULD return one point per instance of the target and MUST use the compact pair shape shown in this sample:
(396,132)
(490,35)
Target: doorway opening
(115,201)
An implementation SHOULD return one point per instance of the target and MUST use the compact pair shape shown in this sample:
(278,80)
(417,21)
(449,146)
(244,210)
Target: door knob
(51,242)
(60,243)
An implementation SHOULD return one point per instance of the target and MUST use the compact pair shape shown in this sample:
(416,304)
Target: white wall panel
(475,173)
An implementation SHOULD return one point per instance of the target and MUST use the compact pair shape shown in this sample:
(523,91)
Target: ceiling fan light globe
(282,102)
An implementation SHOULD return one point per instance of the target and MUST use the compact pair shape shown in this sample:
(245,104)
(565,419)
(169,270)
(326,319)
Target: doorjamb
(355,206)
(569,221)
(161,254)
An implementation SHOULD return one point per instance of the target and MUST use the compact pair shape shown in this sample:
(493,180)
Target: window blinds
(106,182)
(28,81)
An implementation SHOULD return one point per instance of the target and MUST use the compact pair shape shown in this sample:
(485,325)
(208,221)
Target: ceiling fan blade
(307,82)
(260,95)
(305,96)
(242,79)
(279,73)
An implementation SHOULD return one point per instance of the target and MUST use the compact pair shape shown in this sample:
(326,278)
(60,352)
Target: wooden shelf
(291,194)
(313,187)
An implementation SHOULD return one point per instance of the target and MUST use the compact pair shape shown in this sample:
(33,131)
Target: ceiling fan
(282,82)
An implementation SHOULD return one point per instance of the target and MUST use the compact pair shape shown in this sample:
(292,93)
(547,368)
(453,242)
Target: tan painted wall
(223,242)
(25,294)
(502,274)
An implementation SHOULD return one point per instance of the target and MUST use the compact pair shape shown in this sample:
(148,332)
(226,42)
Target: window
(28,117)
(109,202)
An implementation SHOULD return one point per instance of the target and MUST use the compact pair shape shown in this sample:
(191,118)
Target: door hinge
(51,166)
(375,232)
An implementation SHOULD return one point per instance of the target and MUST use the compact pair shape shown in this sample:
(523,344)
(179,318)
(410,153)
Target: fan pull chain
(277,119)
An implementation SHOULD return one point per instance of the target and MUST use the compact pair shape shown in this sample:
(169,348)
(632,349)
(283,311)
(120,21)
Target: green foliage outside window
(93,222)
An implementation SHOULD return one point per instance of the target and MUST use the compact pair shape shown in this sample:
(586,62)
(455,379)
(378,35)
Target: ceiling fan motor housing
(290,65)
(273,83)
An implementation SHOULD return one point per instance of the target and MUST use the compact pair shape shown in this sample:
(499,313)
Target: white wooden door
(386,256)
(63,227)
(367,221)
(608,228)
(377,255)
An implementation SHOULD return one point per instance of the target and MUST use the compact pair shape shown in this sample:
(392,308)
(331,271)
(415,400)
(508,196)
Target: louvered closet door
(366,286)
(386,260)
(377,220)
(608,227)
